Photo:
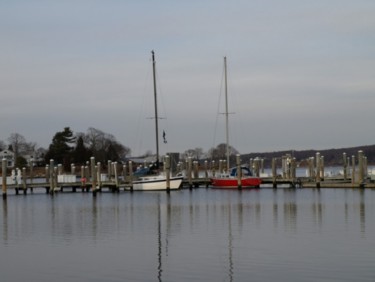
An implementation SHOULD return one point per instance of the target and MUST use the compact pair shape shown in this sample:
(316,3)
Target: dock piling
(239,172)
(4,178)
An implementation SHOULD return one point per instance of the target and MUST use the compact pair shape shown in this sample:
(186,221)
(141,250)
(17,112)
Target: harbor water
(189,235)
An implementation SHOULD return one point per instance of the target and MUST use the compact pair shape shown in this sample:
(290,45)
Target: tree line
(67,147)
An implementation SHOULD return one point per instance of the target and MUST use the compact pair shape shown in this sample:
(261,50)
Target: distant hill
(331,156)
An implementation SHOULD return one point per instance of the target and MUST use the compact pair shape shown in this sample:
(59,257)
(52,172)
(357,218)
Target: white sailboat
(160,181)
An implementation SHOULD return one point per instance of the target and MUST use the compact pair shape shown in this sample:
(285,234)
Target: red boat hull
(232,182)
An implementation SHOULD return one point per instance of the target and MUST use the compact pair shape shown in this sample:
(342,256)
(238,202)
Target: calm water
(198,235)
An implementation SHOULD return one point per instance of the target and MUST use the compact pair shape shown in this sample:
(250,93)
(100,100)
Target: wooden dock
(117,186)
(90,177)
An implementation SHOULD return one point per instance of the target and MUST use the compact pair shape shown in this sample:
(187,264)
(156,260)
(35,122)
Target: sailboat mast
(156,109)
(226,110)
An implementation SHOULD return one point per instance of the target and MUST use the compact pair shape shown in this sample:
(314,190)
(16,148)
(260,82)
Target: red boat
(227,180)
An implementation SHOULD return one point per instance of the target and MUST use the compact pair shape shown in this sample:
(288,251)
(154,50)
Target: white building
(9,156)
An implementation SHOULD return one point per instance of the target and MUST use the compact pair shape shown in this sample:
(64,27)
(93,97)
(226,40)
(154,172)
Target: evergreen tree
(60,149)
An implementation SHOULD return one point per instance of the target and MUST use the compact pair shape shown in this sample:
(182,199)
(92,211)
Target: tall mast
(226,110)
(156,109)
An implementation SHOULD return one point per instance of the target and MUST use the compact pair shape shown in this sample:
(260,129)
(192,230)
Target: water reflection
(189,235)
(290,209)
(317,207)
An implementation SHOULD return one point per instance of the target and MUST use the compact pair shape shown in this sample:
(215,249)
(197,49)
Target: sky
(301,74)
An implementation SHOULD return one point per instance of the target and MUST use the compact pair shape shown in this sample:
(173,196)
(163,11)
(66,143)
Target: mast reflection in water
(190,235)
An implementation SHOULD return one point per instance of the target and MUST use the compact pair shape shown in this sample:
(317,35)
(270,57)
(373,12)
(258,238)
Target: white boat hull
(156,183)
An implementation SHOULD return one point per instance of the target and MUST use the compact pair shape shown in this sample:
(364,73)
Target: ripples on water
(190,235)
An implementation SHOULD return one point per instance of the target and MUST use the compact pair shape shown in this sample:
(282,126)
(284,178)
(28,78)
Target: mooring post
(88,176)
(31,173)
(322,168)
(124,168)
(317,174)
(83,179)
(116,175)
(196,173)
(345,165)
(51,180)
(293,169)
(360,169)
(353,170)
(262,165)
(93,175)
(4,177)
(213,171)
(257,167)
(190,172)
(168,172)
(274,184)
(206,173)
(98,175)
(109,168)
(55,177)
(251,165)
(59,169)
(220,166)
(239,172)
(131,175)
(312,168)
(24,186)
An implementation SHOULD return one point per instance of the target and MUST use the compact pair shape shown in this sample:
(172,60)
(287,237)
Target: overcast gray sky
(301,74)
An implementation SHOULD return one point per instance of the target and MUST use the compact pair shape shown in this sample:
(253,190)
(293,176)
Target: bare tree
(17,141)
(21,147)
(104,146)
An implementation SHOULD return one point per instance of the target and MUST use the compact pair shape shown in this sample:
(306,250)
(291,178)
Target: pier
(119,177)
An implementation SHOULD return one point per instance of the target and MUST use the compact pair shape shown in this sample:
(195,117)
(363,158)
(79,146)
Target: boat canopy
(245,171)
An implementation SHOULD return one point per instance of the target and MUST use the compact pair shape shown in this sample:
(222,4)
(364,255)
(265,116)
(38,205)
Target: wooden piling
(293,168)
(31,174)
(322,168)
(4,178)
(51,180)
(190,172)
(345,165)
(24,186)
(124,168)
(213,168)
(93,175)
(360,168)
(98,175)
(274,173)
(353,170)
(47,173)
(168,172)
(220,166)
(239,171)
(83,178)
(206,172)
(317,174)
(131,175)
(109,168)
(116,175)
(55,177)
(196,172)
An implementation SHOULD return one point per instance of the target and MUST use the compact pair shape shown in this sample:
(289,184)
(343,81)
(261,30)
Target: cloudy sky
(301,74)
